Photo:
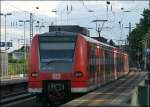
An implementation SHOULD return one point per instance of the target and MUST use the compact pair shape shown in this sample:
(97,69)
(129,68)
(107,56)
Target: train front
(50,65)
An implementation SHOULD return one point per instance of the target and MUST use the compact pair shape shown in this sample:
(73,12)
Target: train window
(95,59)
(56,53)
(56,46)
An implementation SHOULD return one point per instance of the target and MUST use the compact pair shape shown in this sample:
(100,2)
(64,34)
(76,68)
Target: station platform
(11,81)
(118,93)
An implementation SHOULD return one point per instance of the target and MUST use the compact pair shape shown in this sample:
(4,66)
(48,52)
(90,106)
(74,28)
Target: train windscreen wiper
(58,60)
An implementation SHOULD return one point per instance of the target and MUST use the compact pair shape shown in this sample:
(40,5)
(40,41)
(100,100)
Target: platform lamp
(24,22)
(55,11)
(5,73)
(5,15)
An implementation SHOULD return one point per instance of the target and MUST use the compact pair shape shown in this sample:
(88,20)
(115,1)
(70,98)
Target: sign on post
(147,52)
(5,44)
(2,44)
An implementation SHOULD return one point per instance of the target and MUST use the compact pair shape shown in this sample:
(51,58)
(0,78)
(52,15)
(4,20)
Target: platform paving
(117,93)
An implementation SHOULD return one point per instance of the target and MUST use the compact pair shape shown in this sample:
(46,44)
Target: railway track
(111,92)
(13,94)
(12,99)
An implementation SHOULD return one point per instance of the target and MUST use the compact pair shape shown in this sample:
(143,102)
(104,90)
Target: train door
(115,64)
(122,64)
(108,66)
(92,65)
(102,73)
(126,70)
(112,66)
(95,65)
(118,65)
(104,64)
(90,61)
(98,65)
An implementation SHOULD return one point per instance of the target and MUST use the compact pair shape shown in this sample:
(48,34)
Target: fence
(16,70)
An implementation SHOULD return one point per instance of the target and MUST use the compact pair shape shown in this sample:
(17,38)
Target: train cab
(66,60)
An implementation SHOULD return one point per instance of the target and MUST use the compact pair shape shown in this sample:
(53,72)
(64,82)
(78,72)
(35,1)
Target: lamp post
(5,72)
(55,11)
(144,42)
(24,22)
(121,25)
(5,15)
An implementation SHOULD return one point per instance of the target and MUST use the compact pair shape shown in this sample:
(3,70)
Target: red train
(66,60)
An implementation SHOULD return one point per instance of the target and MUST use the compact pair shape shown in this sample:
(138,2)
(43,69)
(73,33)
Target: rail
(15,99)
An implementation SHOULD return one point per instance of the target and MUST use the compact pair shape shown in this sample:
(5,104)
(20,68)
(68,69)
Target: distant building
(17,55)
(3,63)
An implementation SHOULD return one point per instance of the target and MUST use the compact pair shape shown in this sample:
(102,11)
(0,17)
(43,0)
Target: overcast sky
(79,15)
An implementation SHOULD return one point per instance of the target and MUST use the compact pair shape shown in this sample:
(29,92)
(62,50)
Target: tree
(136,36)
(111,42)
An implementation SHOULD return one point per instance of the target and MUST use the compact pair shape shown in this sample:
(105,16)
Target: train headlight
(34,74)
(78,74)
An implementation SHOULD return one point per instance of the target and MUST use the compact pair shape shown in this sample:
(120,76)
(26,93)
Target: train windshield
(56,53)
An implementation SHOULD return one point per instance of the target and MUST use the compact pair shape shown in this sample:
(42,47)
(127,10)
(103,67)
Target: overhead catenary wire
(21,10)
(80,18)
(84,5)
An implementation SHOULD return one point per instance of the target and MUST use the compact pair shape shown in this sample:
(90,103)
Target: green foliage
(17,61)
(147,37)
(17,68)
(137,35)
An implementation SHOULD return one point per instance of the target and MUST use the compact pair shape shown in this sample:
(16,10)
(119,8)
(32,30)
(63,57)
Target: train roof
(70,28)
(58,33)
(88,39)
(98,42)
